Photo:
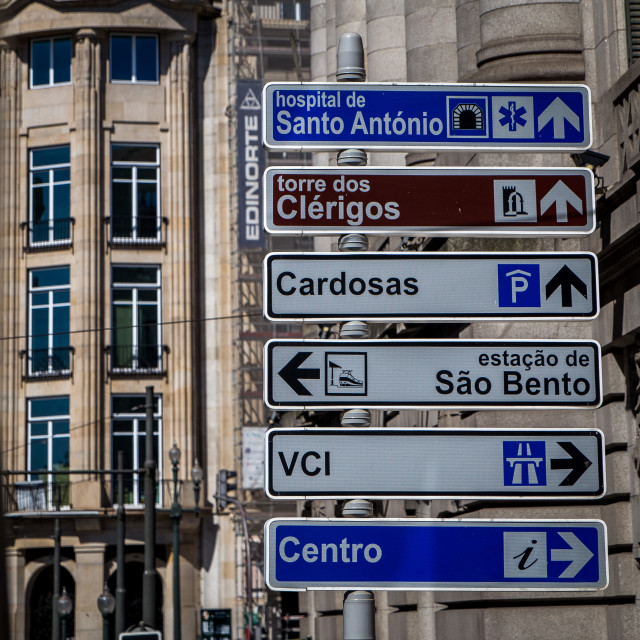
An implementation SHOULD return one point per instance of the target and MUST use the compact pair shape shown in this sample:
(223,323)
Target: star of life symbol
(512,116)
(524,464)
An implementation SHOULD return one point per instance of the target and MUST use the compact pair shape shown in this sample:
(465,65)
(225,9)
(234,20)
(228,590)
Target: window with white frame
(50,63)
(48,343)
(48,447)
(135,206)
(50,196)
(134,58)
(135,319)
(128,434)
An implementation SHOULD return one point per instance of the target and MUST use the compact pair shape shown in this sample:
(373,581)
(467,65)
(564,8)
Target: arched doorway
(134,572)
(39,610)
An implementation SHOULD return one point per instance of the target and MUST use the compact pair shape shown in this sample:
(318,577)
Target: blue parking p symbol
(519,285)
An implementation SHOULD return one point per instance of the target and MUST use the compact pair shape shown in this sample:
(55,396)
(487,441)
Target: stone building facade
(115,246)
(517,41)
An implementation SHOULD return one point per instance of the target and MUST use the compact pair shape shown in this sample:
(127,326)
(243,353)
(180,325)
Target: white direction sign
(429,463)
(403,116)
(479,374)
(435,554)
(430,286)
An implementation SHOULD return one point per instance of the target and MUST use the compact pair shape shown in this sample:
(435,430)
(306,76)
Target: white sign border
(454,232)
(399,432)
(267,294)
(272,145)
(603,561)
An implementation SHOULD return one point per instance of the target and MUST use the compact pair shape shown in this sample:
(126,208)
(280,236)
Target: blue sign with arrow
(426,554)
(427,116)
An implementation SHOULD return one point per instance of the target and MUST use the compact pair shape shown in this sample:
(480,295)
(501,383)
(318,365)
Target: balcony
(142,234)
(72,489)
(126,360)
(48,235)
(56,362)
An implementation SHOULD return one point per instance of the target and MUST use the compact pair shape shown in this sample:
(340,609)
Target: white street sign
(429,463)
(415,286)
(480,374)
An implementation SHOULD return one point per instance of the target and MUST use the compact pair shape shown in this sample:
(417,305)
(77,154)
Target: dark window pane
(122,295)
(60,427)
(121,58)
(50,155)
(60,454)
(46,407)
(126,404)
(40,204)
(62,60)
(39,457)
(39,177)
(61,175)
(39,429)
(39,298)
(135,275)
(146,58)
(121,173)
(147,174)
(60,297)
(61,201)
(50,277)
(133,153)
(121,218)
(40,62)
(123,426)
(148,295)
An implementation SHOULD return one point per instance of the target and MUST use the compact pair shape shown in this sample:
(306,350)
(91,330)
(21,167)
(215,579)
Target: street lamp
(64,606)
(176,515)
(106,605)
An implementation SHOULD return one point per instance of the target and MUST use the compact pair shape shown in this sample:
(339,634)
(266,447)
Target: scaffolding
(266,41)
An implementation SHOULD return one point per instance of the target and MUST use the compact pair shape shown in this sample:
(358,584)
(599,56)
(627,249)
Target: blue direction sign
(425,554)
(427,116)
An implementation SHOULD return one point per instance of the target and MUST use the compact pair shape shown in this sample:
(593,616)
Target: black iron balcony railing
(55,490)
(48,235)
(143,233)
(56,362)
(137,360)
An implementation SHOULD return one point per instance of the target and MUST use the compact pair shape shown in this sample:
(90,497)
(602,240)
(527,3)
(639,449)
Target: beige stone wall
(90,114)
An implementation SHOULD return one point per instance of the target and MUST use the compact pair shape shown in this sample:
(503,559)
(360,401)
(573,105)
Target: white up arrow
(560,195)
(558,111)
(578,554)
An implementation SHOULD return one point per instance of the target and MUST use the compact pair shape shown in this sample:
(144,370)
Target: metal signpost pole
(359,606)
(150,466)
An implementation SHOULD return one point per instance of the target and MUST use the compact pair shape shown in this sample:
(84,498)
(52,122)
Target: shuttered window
(633,29)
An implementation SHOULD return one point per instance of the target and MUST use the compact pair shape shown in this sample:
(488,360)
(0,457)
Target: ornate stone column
(10,252)
(178,268)
(88,448)
(523,40)
(89,577)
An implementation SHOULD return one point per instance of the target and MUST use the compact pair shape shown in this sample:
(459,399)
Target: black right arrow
(291,373)
(565,279)
(578,463)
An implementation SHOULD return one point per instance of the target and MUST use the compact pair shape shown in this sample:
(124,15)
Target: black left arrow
(578,463)
(565,279)
(291,373)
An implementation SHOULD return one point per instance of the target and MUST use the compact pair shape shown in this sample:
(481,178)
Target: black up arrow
(291,373)
(578,463)
(565,279)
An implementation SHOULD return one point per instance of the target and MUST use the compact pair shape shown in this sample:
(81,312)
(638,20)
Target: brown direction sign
(443,201)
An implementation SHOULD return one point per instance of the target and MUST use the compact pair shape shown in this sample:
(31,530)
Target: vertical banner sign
(253,457)
(250,165)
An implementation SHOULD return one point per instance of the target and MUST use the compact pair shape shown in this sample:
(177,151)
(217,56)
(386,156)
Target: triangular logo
(250,101)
